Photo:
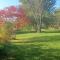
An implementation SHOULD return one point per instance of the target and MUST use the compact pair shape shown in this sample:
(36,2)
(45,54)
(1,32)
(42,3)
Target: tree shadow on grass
(56,31)
(25,32)
(32,52)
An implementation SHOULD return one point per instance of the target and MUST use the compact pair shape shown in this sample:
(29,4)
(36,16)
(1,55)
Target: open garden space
(29,30)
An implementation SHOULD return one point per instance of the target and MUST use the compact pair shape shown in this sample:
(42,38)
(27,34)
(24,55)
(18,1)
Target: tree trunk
(38,28)
(39,25)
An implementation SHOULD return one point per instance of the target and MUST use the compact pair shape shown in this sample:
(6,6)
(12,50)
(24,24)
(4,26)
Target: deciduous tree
(36,9)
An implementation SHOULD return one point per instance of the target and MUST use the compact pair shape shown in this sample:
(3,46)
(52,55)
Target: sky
(6,3)
(57,3)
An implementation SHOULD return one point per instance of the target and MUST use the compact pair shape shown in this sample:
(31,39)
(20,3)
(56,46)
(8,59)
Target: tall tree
(36,9)
(57,18)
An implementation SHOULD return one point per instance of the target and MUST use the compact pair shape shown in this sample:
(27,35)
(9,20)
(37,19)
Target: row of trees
(36,10)
(57,18)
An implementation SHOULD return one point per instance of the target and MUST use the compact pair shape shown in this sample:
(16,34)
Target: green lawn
(47,40)
(36,46)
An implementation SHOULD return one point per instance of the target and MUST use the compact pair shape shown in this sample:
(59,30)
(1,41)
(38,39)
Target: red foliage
(13,11)
(2,12)
(22,18)
(12,8)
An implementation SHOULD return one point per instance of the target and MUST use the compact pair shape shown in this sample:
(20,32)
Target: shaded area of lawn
(37,53)
(31,52)
(42,31)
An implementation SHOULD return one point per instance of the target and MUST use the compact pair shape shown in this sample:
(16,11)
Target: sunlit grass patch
(45,40)
(31,35)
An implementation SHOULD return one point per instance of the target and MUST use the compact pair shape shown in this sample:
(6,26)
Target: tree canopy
(36,8)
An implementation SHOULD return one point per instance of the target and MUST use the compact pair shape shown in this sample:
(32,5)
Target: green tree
(48,20)
(57,17)
(36,9)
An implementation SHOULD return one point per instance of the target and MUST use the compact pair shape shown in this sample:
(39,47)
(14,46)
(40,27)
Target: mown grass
(45,40)
(35,46)
(31,35)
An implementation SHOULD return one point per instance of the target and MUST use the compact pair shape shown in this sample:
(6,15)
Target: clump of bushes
(6,32)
